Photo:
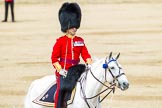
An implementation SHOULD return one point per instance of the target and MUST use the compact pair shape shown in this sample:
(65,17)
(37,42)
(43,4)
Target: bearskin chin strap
(66,53)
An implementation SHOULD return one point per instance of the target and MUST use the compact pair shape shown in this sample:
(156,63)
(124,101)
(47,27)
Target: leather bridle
(108,68)
(112,85)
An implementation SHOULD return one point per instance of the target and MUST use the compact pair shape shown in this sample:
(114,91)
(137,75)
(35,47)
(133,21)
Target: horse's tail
(28,101)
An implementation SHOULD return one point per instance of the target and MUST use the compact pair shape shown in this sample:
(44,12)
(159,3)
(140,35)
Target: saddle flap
(47,97)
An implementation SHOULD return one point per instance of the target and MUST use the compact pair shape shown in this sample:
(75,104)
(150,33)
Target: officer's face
(72,31)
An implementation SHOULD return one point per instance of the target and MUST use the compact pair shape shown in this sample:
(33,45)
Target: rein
(112,86)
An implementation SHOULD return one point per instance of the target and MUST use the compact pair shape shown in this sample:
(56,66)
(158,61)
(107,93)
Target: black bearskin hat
(69,16)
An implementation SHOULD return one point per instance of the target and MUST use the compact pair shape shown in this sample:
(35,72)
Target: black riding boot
(64,102)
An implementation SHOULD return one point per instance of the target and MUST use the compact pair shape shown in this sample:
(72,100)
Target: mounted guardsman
(68,48)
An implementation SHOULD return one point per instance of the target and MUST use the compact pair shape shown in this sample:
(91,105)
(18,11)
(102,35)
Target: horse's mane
(73,75)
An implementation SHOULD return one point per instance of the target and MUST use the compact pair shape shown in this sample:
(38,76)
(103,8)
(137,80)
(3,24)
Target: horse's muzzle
(123,86)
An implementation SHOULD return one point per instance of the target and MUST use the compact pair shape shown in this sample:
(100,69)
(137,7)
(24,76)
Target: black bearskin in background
(73,75)
(69,16)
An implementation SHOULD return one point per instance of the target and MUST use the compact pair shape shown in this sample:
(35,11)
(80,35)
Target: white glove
(63,72)
(88,66)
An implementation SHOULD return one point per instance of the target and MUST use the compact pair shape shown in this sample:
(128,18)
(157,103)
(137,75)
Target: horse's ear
(117,56)
(110,55)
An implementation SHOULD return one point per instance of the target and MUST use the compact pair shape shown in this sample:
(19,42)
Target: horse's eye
(112,68)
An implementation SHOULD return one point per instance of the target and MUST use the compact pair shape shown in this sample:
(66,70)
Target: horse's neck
(93,87)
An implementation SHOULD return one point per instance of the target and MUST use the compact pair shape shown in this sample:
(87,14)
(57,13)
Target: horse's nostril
(125,84)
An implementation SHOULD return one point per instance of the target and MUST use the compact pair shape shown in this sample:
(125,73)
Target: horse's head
(114,72)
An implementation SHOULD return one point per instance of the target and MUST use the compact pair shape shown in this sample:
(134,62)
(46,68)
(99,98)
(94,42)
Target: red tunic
(75,47)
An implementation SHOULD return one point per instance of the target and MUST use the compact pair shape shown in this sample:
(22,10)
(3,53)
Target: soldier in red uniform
(68,48)
(7,3)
